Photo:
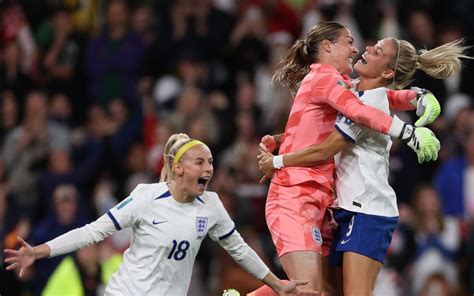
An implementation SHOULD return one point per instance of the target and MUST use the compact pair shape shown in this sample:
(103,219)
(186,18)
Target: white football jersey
(166,238)
(362,169)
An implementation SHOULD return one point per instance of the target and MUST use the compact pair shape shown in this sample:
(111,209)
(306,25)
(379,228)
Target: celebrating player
(367,209)
(316,70)
(169,220)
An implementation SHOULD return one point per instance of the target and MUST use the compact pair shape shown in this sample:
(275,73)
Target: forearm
(402,100)
(81,237)
(41,251)
(273,282)
(245,256)
(349,105)
(316,154)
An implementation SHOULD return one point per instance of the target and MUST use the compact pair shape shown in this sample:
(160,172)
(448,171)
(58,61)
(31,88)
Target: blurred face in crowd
(60,106)
(11,54)
(62,22)
(59,162)
(65,203)
(118,111)
(36,107)
(136,158)
(427,201)
(421,27)
(9,112)
(142,19)
(116,14)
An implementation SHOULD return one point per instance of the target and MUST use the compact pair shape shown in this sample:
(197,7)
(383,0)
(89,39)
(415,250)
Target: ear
(326,45)
(178,170)
(388,74)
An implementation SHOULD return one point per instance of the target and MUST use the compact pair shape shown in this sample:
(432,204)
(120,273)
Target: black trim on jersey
(200,199)
(116,224)
(344,134)
(164,195)
(227,235)
(361,93)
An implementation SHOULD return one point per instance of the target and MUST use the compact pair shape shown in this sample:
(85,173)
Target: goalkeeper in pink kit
(317,69)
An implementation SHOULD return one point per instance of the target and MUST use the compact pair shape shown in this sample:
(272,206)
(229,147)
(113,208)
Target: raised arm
(69,242)
(419,139)
(426,104)
(402,100)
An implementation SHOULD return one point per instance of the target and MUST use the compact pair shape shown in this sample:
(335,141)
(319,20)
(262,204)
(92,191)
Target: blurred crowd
(90,90)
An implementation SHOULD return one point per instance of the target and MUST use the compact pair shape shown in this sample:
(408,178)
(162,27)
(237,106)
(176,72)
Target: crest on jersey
(201,226)
(343,84)
(316,233)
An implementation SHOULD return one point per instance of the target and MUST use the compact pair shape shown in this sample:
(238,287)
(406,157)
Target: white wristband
(396,128)
(278,162)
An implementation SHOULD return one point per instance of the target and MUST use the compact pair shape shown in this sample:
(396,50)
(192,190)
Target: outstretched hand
(22,258)
(291,288)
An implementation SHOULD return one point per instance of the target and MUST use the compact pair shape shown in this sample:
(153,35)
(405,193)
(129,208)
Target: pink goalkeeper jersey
(322,94)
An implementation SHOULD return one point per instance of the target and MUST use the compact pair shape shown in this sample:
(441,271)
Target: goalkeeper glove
(427,107)
(421,140)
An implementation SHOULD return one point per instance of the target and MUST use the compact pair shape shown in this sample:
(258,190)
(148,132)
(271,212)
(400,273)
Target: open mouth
(362,60)
(203,181)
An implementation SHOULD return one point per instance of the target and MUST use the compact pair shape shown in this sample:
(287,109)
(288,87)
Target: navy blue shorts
(365,234)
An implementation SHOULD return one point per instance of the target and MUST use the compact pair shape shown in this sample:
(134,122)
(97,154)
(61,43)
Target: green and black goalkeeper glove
(427,107)
(421,140)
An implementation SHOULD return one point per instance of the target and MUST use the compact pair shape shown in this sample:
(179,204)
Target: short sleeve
(126,213)
(224,226)
(348,128)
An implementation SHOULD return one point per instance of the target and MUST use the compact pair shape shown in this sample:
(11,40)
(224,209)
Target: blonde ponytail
(441,62)
(173,144)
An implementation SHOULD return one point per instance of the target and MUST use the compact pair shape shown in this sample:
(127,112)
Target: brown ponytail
(295,64)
